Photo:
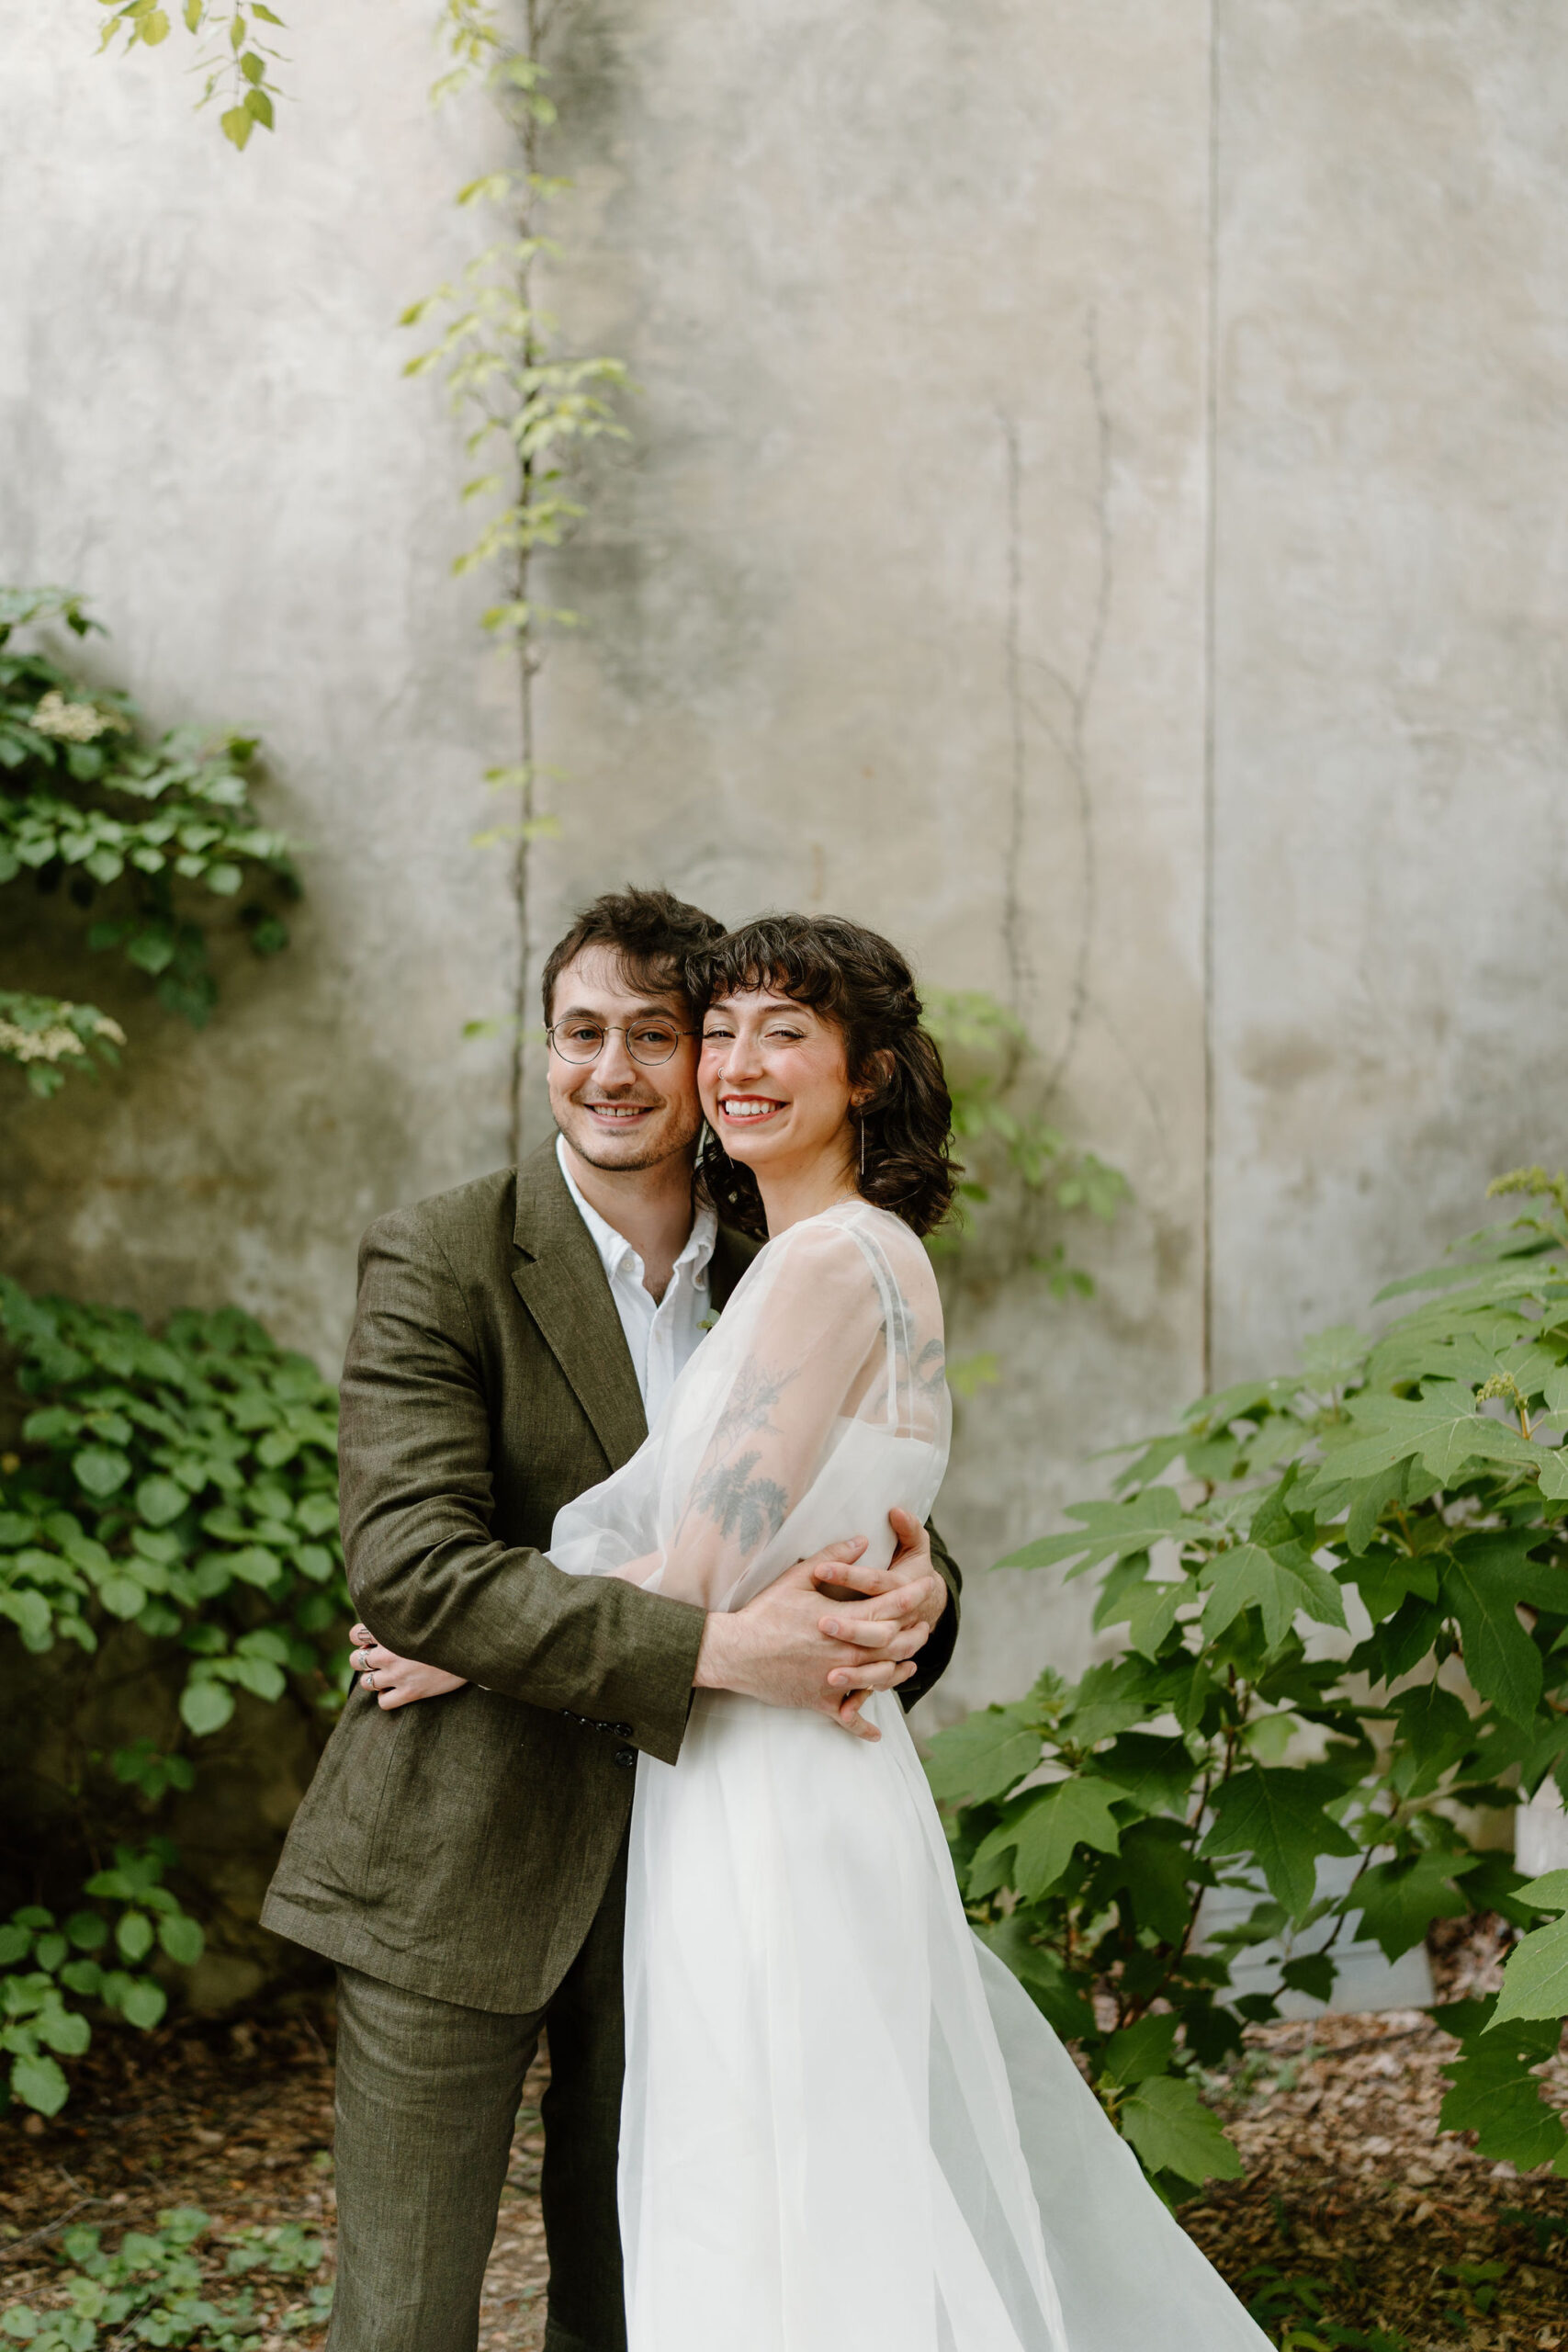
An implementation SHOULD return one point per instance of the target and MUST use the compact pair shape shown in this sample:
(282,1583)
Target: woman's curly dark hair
(859,980)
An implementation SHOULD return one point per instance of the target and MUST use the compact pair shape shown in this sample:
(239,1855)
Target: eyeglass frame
(616,1029)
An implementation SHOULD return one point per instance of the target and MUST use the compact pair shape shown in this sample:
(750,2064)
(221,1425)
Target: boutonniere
(705,1322)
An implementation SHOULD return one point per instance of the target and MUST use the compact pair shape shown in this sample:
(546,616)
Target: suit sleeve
(932,1662)
(426,1575)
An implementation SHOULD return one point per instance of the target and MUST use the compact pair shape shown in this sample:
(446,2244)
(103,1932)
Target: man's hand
(907,1593)
(396,1680)
(774,1649)
(782,1648)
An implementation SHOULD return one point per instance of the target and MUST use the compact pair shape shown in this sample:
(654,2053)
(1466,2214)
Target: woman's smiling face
(773,1081)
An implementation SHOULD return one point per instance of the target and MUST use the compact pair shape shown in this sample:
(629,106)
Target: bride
(844,2123)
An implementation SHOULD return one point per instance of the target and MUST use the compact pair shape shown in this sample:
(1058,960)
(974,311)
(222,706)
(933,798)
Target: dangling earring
(862,1151)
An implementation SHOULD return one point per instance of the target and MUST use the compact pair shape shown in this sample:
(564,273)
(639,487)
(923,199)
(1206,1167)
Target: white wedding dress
(845,2126)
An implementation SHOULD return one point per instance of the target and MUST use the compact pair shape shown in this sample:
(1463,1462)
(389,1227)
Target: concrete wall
(1093,511)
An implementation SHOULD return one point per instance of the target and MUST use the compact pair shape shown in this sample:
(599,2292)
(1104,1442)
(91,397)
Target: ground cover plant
(1406,1493)
(168,1542)
(147,837)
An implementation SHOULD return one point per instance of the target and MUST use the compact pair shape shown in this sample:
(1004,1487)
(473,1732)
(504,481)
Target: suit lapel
(556,1272)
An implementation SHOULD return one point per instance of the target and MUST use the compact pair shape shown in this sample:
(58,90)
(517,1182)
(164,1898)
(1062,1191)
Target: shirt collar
(615,1252)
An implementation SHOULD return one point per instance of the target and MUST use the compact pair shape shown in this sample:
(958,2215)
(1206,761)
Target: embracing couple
(639,1444)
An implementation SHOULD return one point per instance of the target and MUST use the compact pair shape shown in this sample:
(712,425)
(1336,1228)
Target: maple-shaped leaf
(1280,1583)
(1276,1815)
(1442,1429)
(1043,1832)
(1386,1578)
(1174,2131)
(1398,1900)
(985,1755)
(1483,1581)
(1110,1531)
(1494,2089)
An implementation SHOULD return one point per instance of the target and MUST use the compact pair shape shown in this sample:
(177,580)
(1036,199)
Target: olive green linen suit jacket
(459,1848)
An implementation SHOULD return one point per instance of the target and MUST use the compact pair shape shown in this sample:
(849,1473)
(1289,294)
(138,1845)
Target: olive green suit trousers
(462,1859)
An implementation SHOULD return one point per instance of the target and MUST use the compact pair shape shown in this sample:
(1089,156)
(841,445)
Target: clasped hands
(782,1647)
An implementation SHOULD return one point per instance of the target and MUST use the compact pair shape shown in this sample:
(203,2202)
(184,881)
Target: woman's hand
(396,1680)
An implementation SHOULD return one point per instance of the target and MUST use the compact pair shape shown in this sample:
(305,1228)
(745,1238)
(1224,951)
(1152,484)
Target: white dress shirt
(661,1335)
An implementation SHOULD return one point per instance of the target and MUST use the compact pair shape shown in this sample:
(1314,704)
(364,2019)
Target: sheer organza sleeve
(808,1351)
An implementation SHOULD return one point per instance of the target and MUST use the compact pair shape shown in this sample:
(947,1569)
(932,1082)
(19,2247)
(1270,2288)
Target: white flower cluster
(73,722)
(57,1044)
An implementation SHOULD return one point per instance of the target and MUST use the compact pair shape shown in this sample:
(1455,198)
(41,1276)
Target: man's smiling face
(617,1113)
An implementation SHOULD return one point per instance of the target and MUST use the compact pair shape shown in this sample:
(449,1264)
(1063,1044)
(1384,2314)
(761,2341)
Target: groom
(464,1862)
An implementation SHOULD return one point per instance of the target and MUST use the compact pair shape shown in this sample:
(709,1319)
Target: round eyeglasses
(648,1042)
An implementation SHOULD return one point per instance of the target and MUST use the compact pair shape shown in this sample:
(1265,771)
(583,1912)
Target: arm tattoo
(747,1507)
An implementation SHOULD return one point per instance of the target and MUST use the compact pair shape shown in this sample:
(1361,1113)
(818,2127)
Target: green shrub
(145,835)
(157,2288)
(1419,1478)
(168,1535)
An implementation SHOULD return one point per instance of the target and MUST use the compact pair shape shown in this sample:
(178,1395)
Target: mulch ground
(1355,2222)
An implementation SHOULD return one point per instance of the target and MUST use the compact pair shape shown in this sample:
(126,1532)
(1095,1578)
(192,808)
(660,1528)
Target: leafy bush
(168,1535)
(156,2289)
(128,827)
(48,1036)
(1407,1493)
(1021,1173)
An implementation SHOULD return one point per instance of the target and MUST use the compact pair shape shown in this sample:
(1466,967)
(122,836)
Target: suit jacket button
(625,1756)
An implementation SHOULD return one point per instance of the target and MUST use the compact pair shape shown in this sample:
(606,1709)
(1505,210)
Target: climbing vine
(530,405)
(236,57)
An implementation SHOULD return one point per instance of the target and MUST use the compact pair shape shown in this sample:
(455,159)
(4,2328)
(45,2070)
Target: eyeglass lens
(648,1042)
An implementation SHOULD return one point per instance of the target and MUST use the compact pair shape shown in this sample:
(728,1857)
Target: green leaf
(205,1707)
(984,1755)
(122,1596)
(66,2031)
(31,1615)
(236,125)
(1496,2096)
(1071,1813)
(1173,2132)
(134,1936)
(1109,1531)
(1437,1728)
(1276,1816)
(1311,1973)
(1385,1579)
(1161,1878)
(1482,1584)
(39,2084)
(1153,1770)
(1535,1982)
(255,1564)
(1398,1900)
(182,1939)
(1442,1428)
(1279,1583)
(160,1499)
(144,2004)
(102,1469)
(1141,2049)
(1548,1893)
